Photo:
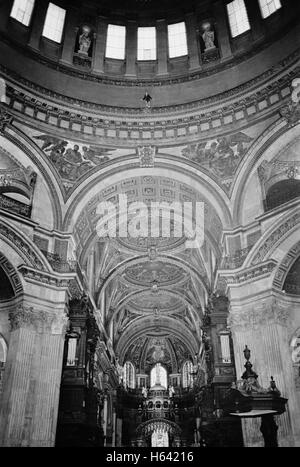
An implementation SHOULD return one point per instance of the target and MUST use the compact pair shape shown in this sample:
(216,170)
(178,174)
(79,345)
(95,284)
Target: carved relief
(147,156)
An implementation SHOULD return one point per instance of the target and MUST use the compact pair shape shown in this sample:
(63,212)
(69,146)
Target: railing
(15,206)
(59,264)
(236,260)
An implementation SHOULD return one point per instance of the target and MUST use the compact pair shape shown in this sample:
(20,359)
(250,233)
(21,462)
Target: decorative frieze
(41,321)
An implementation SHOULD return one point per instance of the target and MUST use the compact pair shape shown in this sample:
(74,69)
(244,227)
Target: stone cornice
(25,316)
(230,278)
(42,277)
(254,100)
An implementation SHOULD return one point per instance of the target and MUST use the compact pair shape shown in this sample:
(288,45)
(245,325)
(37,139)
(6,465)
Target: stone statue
(85,41)
(208,37)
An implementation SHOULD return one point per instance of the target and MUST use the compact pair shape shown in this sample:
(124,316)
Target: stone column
(71,30)
(262,326)
(131,49)
(100,45)
(5,10)
(162,47)
(222,28)
(255,19)
(37,24)
(192,42)
(29,405)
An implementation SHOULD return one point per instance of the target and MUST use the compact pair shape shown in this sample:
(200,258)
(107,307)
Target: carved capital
(267,313)
(39,320)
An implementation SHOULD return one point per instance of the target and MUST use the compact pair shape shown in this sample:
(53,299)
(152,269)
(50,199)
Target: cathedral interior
(143,337)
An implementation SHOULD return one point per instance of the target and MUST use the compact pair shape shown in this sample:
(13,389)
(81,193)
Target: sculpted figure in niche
(208,36)
(85,41)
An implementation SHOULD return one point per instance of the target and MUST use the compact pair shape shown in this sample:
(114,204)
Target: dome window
(268,7)
(238,17)
(146,43)
(177,40)
(22,11)
(115,43)
(54,23)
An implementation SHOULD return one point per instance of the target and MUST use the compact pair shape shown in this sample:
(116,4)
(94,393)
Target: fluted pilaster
(32,377)
(263,327)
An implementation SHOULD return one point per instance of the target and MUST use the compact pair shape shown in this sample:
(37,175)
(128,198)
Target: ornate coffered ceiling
(154,271)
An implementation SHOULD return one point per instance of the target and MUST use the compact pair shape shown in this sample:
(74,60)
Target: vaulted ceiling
(151,290)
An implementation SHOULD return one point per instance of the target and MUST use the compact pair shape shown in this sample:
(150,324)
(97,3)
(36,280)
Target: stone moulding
(228,105)
(247,275)
(48,279)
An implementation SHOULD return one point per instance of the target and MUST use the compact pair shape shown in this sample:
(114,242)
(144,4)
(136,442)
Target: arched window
(187,377)
(129,375)
(3,353)
(159,376)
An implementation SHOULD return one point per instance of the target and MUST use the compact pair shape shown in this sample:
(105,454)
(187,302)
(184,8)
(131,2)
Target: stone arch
(163,257)
(285,228)
(12,275)
(285,266)
(16,140)
(131,333)
(112,174)
(271,142)
(21,249)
